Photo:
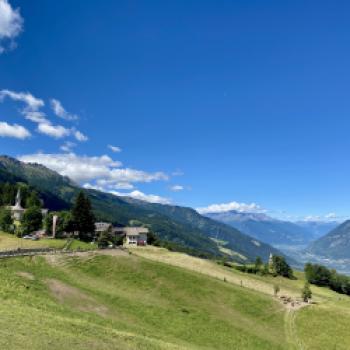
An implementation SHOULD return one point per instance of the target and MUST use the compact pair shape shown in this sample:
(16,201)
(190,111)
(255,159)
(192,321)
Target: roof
(17,208)
(132,231)
(102,226)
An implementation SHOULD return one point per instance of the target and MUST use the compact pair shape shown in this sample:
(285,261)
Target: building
(102,227)
(135,236)
(17,210)
(132,235)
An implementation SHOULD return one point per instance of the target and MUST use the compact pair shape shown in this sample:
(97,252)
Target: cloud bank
(223,207)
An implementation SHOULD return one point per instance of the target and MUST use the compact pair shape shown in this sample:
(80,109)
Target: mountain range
(335,245)
(276,232)
(185,228)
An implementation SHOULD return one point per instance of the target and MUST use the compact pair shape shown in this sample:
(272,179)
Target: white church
(17,210)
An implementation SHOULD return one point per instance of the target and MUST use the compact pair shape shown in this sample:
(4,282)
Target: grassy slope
(134,302)
(8,242)
(321,326)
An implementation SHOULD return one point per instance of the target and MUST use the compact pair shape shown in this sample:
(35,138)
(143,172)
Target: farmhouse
(133,235)
(102,227)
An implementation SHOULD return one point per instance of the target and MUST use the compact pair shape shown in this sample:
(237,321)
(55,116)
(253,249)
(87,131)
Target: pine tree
(306,293)
(83,217)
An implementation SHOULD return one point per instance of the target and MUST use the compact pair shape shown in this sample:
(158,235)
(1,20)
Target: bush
(306,293)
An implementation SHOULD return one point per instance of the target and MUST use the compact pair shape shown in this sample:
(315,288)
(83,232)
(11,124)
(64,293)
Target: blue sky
(210,102)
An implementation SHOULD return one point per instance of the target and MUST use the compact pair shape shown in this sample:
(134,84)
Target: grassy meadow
(155,299)
(8,242)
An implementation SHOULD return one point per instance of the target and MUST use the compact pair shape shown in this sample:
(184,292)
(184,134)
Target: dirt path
(293,341)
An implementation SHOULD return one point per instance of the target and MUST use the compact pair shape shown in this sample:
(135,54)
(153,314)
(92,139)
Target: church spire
(18,198)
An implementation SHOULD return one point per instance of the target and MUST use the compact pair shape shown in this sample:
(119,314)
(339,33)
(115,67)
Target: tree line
(79,219)
(324,277)
(277,267)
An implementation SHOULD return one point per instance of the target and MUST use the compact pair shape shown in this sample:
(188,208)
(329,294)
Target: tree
(317,274)
(281,267)
(83,217)
(306,293)
(258,263)
(105,238)
(64,224)
(6,221)
(33,200)
(151,238)
(32,220)
(265,270)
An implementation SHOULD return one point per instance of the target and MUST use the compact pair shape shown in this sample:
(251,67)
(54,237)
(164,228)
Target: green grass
(8,241)
(128,301)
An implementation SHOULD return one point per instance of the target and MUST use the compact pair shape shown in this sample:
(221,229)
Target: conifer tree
(83,217)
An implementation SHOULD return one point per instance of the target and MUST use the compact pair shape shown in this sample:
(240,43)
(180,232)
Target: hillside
(265,228)
(154,299)
(334,245)
(318,228)
(182,226)
(226,236)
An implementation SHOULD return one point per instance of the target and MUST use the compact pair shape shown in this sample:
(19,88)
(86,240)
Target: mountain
(318,228)
(334,245)
(267,229)
(184,227)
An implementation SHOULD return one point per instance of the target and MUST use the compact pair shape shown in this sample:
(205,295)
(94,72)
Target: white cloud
(177,188)
(27,98)
(132,175)
(240,207)
(326,217)
(331,216)
(112,185)
(58,109)
(55,131)
(101,173)
(114,149)
(152,198)
(78,168)
(11,25)
(79,135)
(35,116)
(15,130)
(32,112)
(67,146)
(92,169)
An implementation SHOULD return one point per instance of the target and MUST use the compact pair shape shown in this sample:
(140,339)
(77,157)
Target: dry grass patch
(72,296)
(26,275)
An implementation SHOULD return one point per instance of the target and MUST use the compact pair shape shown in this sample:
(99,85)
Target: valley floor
(154,299)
